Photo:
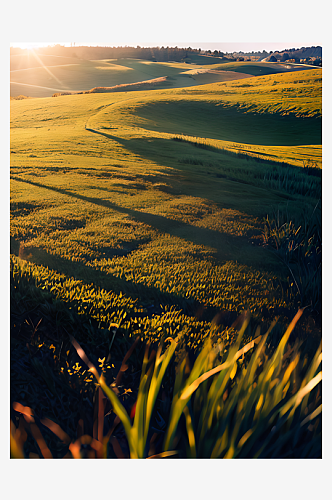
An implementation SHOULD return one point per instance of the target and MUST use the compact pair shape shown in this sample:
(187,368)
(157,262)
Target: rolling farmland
(164,213)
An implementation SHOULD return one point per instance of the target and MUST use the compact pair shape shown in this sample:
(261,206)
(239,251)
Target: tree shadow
(149,297)
(189,179)
(226,247)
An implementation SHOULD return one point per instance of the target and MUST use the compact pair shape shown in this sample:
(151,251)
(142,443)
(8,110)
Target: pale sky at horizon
(223,46)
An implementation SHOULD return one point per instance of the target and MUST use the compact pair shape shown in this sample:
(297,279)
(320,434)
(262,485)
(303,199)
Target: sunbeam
(46,68)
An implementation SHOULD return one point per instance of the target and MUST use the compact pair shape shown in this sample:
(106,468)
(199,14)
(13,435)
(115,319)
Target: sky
(204,45)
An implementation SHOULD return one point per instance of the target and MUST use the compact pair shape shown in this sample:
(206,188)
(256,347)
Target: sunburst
(31,52)
(35,55)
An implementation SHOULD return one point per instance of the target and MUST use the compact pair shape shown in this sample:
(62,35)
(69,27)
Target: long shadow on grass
(149,297)
(230,192)
(228,247)
(230,122)
(245,193)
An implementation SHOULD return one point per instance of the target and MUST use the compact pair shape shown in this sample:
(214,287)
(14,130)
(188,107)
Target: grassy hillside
(50,74)
(161,215)
(262,116)
(257,68)
(106,181)
(32,59)
(39,75)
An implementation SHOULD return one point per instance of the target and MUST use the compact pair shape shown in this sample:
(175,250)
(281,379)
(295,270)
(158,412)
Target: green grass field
(36,75)
(107,186)
(148,209)
(74,75)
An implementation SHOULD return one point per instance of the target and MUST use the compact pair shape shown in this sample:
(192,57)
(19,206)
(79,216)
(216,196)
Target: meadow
(41,75)
(45,75)
(162,216)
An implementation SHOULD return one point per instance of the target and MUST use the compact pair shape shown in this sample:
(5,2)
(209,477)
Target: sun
(34,45)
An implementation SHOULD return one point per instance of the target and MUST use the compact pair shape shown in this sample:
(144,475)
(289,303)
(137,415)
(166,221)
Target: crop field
(165,213)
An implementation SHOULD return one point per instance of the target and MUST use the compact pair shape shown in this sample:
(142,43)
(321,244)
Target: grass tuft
(245,403)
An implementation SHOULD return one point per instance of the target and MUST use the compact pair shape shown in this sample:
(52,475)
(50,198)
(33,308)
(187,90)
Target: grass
(299,247)
(225,123)
(257,68)
(204,204)
(45,75)
(233,405)
(76,75)
(152,216)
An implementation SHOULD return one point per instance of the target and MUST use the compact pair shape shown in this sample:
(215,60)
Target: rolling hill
(119,184)
(155,216)
(42,74)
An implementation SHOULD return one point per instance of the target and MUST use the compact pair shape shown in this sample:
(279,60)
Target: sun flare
(34,45)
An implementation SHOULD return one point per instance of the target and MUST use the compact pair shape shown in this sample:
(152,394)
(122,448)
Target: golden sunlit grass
(131,203)
(139,216)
